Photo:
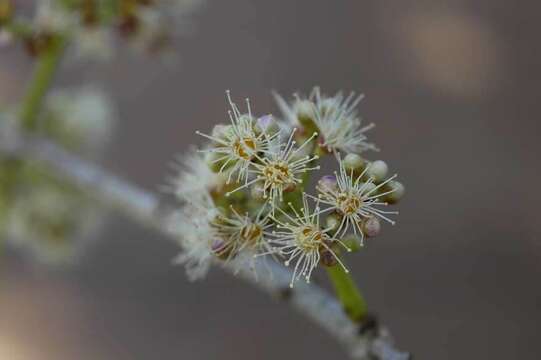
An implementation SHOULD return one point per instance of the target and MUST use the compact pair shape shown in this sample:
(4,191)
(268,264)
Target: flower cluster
(244,193)
(149,25)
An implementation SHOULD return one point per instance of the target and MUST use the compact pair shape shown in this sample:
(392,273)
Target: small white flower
(192,226)
(244,238)
(195,181)
(355,200)
(302,240)
(51,221)
(239,143)
(281,170)
(335,117)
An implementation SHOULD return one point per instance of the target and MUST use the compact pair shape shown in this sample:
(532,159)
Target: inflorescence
(245,194)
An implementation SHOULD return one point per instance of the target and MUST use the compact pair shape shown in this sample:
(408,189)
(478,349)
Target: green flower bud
(397,193)
(354,162)
(377,170)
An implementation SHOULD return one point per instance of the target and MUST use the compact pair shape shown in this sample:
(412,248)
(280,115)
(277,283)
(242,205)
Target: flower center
(349,203)
(278,173)
(309,238)
(245,148)
(251,233)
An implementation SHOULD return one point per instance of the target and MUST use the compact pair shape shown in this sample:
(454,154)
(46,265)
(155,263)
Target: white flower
(192,226)
(302,240)
(195,181)
(51,221)
(238,144)
(281,170)
(355,200)
(243,232)
(80,118)
(335,117)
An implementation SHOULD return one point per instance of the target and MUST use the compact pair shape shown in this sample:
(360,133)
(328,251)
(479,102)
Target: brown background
(451,87)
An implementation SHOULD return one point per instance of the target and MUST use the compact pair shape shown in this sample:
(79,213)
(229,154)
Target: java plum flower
(355,198)
(334,117)
(301,240)
(235,146)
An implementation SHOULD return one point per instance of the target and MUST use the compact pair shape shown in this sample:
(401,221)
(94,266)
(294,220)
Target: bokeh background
(449,84)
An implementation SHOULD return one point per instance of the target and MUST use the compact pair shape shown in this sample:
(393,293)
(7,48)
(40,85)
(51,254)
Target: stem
(145,208)
(44,71)
(348,293)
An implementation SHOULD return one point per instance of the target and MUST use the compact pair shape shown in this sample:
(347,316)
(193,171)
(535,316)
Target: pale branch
(364,341)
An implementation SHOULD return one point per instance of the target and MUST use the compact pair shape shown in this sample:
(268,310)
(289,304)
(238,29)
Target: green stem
(44,71)
(348,293)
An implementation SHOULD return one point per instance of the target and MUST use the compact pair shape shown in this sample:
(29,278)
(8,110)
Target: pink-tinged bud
(290,187)
(397,193)
(264,122)
(220,249)
(328,183)
(371,226)
(327,258)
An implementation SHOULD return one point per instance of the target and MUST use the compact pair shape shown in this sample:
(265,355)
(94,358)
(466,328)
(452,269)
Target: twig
(364,341)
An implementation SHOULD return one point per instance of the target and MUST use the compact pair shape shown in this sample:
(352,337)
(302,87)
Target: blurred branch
(364,340)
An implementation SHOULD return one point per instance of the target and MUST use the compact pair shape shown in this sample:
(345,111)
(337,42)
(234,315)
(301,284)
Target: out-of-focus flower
(80,119)
(50,220)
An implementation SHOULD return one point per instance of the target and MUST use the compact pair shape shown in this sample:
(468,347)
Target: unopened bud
(333,221)
(368,188)
(305,112)
(371,226)
(267,124)
(290,187)
(397,193)
(327,183)
(354,242)
(353,162)
(327,258)
(377,170)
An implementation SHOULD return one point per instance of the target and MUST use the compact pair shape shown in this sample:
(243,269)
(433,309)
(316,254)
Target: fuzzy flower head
(51,223)
(335,117)
(80,119)
(197,237)
(242,234)
(194,181)
(281,170)
(355,200)
(302,241)
(235,146)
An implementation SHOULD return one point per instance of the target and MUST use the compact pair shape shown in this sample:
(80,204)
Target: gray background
(451,87)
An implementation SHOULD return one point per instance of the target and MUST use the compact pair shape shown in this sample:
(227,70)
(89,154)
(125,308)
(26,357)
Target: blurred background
(456,278)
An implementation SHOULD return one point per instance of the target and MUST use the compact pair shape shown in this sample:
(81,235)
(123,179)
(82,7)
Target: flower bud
(267,124)
(333,221)
(327,258)
(305,112)
(377,170)
(327,183)
(353,241)
(353,162)
(397,193)
(371,226)
(368,188)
